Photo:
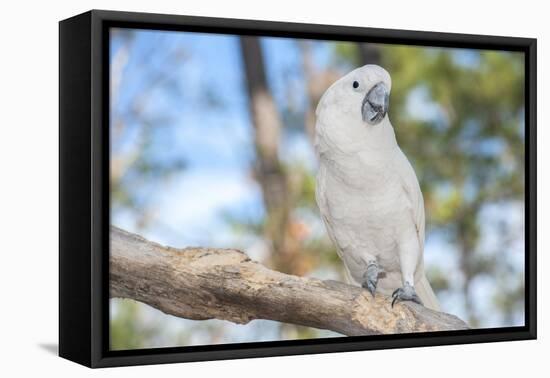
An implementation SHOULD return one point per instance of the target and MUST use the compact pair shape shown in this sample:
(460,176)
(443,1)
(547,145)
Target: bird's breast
(367,208)
(365,178)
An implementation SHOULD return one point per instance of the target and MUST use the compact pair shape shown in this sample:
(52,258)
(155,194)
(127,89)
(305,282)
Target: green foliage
(126,331)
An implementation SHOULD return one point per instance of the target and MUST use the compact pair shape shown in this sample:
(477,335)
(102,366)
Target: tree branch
(205,283)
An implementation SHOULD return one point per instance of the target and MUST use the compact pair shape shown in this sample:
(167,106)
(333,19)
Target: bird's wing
(320,190)
(320,196)
(410,185)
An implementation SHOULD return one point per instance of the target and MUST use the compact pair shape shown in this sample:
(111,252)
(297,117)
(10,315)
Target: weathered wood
(205,283)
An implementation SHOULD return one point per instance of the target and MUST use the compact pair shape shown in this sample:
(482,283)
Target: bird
(367,191)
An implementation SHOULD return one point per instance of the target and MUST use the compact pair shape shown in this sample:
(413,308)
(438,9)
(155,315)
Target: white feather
(367,191)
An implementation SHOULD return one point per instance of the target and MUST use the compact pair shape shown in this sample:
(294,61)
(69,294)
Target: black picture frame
(84,188)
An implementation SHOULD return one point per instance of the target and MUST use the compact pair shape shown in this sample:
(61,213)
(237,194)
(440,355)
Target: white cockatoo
(367,190)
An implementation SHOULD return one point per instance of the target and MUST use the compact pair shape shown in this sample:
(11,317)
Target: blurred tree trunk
(317,82)
(369,54)
(269,170)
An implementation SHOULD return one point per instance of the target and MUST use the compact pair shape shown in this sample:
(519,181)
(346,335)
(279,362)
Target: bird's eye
(355,84)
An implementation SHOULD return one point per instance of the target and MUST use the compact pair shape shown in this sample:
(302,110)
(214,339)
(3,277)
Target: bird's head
(356,105)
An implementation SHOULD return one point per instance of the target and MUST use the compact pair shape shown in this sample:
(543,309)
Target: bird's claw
(370,286)
(370,278)
(405,293)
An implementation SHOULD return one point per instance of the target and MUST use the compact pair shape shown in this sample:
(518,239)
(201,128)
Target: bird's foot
(405,293)
(370,278)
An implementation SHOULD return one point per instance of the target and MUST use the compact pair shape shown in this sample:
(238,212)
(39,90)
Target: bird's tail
(427,296)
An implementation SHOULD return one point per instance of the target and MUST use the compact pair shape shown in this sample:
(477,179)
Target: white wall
(28,200)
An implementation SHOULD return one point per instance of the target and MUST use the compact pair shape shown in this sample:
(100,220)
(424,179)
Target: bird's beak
(375,104)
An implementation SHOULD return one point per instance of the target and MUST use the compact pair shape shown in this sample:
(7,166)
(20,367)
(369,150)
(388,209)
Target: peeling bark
(206,283)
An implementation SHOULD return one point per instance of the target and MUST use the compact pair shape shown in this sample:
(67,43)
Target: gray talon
(370,278)
(405,293)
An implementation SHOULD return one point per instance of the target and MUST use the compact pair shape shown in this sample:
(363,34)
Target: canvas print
(270,188)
